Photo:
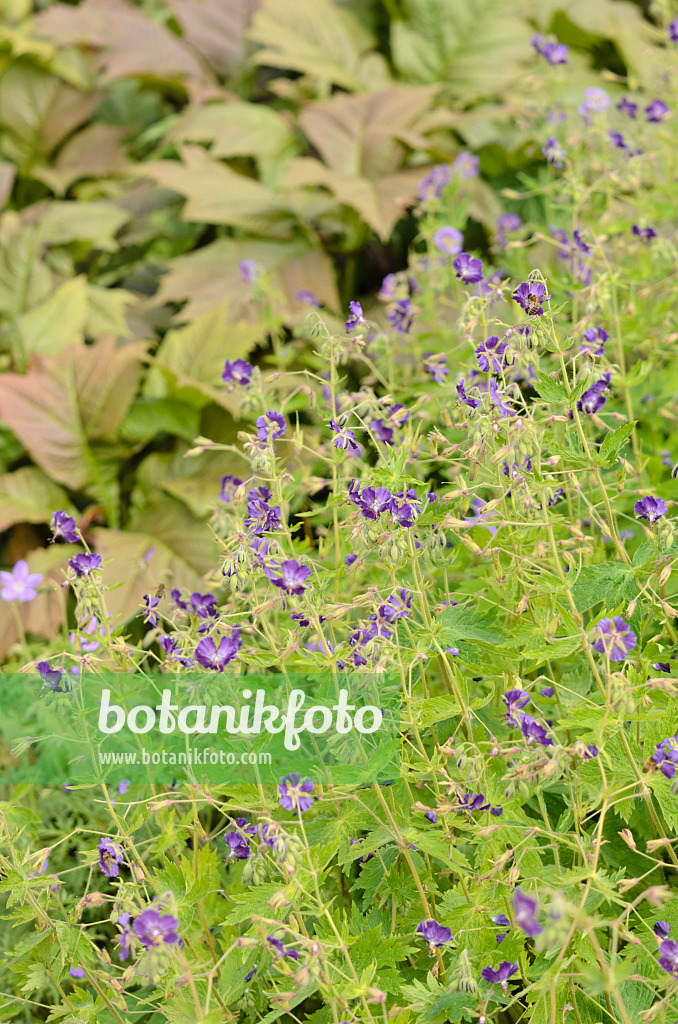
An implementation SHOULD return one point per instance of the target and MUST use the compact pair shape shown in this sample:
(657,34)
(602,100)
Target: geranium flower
(19,584)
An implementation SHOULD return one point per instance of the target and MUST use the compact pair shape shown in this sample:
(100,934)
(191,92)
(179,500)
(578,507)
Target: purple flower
(355,316)
(76,972)
(280,949)
(350,559)
(628,108)
(229,485)
(291,577)
(661,666)
(547,691)
(343,438)
(650,509)
(594,399)
(248,977)
(294,793)
(150,604)
(237,372)
(656,111)
(110,857)
(250,271)
(237,839)
(401,316)
(524,910)
(617,139)
(52,677)
(662,929)
(382,431)
(403,515)
(435,363)
(491,349)
(432,816)
(432,185)
(172,648)
(532,731)
(261,517)
(216,658)
(434,933)
(64,527)
(673,30)
(19,584)
(497,398)
(505,223)
(614,637)
(594,341)
(448,240)
(554,53)
(596,99)
(514,701)
(84,564)
(469,269)
(472,403)
(308,298)
(123,786)
(668,959)
(153,929)
(666,756)
(529,295)
(466,166)
(372,501)
(270,426)
(397,606)
(554,151)
(501,976)
(644,234)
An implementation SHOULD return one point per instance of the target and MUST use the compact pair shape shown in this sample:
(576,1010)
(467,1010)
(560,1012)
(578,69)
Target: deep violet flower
(594,399)
(237,372)
(295,794)
(614,637)
(644,234)
(594,341)
(344,439)
(554,53)
(355,316)
(514,701)
(529,295)
(432,816)
(308,298)
(270,426)
(656,111)
(400,317)
(472,403)
(76,972)
(533,731)
(469,269)
(435,364)
(237,839)
(432,185)
(110,857)
(229,485)
(492,349)
(651,509)
(155,929)
(83,564)
(524,910)
(625,106)
(502,974)
(216,658)
(52,677)
(666,756)
(554,151)
(662,929)
(434,933)
(668,958)
(280,949)
(673,30)
(63,526)
(498,398)
(291,577)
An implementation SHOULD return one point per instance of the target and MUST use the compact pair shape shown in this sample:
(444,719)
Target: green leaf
(465,623)
(57,322)
(610,582)
(613,442)
(29,496)
(148,417)
(548,389)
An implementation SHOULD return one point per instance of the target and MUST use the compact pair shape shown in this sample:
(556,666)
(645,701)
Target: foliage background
(146,149)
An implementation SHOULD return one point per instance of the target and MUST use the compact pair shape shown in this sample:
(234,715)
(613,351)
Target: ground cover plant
(466,481)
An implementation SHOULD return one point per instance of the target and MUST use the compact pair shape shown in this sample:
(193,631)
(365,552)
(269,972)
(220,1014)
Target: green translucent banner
(198,727)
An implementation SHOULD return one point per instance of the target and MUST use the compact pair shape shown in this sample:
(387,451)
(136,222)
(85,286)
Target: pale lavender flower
(524,910)
(19,584)
(554,151)
(614,637)
(294,793)
(466,166)
(469,269)
(448,240)
(355,316)
(153,929)
(250,271)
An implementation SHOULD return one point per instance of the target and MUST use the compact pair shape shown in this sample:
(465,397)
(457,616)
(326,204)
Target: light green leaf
(29,496)
(57,322)
(613,442)
(548,389)
(610,582)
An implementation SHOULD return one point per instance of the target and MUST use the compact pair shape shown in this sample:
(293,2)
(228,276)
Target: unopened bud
(664,575)
(657,894)
(375,996)
(627,836)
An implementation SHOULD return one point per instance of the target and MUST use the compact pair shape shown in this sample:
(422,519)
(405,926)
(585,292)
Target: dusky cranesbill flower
(20,583)
(435,363)
(355,316)
(594,399)
(554,151)
(533,731)
(524,911)
(435,934)
(649,508)
(237,839)
(661,929)
(656,111)
(514,701)
(529,295)
(668,956)
(150,604)
(644,234)
(594,341)
(617,139)
(666,756)
(502,974)
(469,269)
(344,438)
(295,794)
(498,398)
(448,240)
(83,564)
(625,106)
(491,349)
(554,53)
(270,426)
(291,577)
(229,485)
(237,372)
(63,526)
(280,949)
(110,858)
(216,658)
(153,929)
(76,972)
(614,637)
(52,677)
(472,403)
